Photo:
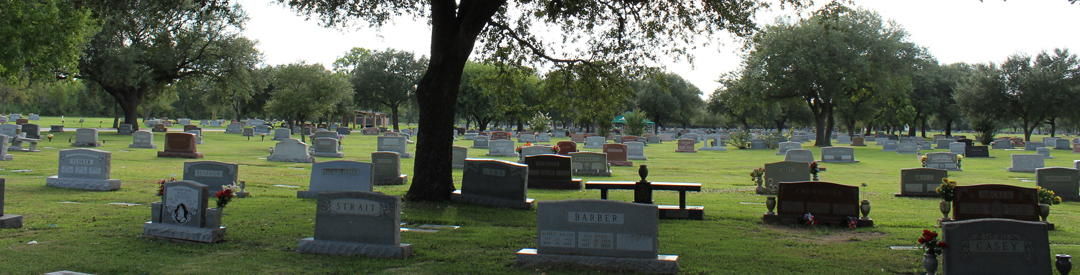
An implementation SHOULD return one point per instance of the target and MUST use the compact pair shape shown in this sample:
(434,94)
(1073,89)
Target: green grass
(93,236)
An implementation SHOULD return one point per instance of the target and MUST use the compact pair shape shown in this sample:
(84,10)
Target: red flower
(941,244)
(922,240)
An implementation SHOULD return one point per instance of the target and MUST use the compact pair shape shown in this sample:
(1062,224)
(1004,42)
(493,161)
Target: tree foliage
(301,91)
(42,38)
(668,98)
(387,78)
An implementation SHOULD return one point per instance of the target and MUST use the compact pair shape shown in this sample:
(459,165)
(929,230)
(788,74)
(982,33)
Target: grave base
(840,161)
(400,180)
(662,264)
(637,158)
(479,147)
(571,184)
(501,155)
(672,212)
(715,148)
(328,155)
(86,144)
(307,195)
(187,233)
(928,195)
(11,221)
(84,184)
(166,154)
(793,219)
(490,202)
(144,146)
(1022,170)
(6,157)
(313,246)
(405,155)
(592,173)
(232,131)
(987,157)
(621,163)
(686,151)
(285,159)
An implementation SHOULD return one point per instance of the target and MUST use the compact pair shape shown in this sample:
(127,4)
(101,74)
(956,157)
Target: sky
(953,31)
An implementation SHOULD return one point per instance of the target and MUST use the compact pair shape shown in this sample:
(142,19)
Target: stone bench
(681,211)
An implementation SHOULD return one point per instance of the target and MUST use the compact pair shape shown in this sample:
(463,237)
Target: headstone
(326,147)
(635,151)
(713,143)
(598,235)
(550,171)
(1065,182)
(215,123)
(159,128)
(995,201)
(590,164)
(957,148)
(921,182)
(291,150)
(9,130)
(666,137)
(15,116)
(459,155)
(184,121)
(1045,152)
(56,128)
(34,117)
(494,183)
(785,171)
(943,143)
(626,139)
(1062,144)
(7,221)
(480,142)
(838,154)
(999,144)
(976,152)
(566,147)
(685,146)
(86,169)
(501,148)
(577,138)
(345,131)
(543,137)
(262,129)
(142,139)
(653,139)
(180,145)
(594,142)
(527,138)
(4,156)
(123,129)
(322,133)
(907,148)
(758,144)
(784,146)
(86,137)
(500,135)
(1050,142)
(829,203)
(370,131)
(282,134)
(234,128)
(255,122)
(394,144)
(616,154)
(32,131)
(995,246)
(198,135)
(942,160)
(189,127)
(799,155)
(337,216)
(21,121)
(890,145)
(858,141)
(248,132)
(183,214)
(532,151)
(1031,146)
(213,174)
(338,176)
(559,133)
(386,168)
(1026,163)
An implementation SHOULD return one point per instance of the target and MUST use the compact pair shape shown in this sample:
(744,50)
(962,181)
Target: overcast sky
(953,31)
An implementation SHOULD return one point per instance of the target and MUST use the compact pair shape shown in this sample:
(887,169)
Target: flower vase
(815,177)
(945,206)
(930,262)
(865,207)
(770,202)
(1044,210)
(1063,264)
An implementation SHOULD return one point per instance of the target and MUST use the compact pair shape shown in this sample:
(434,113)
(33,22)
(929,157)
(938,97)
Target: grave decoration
(183,213)
(818,203)
(494,183)
(597,234)
(86,169)
(8,221)
(643,194)
(337,216)
(550,171)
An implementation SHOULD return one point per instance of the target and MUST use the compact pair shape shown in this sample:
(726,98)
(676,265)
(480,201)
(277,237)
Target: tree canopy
(301,91)
(386,78)
(42,38)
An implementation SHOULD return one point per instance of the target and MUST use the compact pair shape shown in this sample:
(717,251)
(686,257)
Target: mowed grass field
(81,231)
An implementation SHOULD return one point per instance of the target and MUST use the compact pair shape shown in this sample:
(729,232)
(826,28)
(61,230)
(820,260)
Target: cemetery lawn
(82,231)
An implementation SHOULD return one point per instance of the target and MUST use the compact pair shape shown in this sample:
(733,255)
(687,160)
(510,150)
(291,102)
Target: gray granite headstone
(4,156)
(843,139)
(124,129)
(291,150)
(31,131)
(1026,163)
(262,129)
(365,223)
(799,155)
(838,154)
(494,183)
(786,171)
(460,153)
(783,147)
(326,134)
(533,151)
(759,144)
(1032,146)
(530,138)
(635,151)
(338,176)
(326,147)
(234,128)
(214,174)
(1002,144)
(282,134)
(1065,182)
(386,168)
(942,160)
(907,148)
(921,181)
(889,145)
(480,142)
(604,228)
(248,132)
(590,164)
(394,144)
(86,169)
(9,130)
(594,142)
(501,148)
(995,246)
(184,203)
(1045,152)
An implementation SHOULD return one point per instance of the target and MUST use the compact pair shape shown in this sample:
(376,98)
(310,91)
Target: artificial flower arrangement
(527,144)
(814,169)
(946,189)
(929,243)
(555,149)
(1046,196)
(757,174)
(161,185)
(227,193)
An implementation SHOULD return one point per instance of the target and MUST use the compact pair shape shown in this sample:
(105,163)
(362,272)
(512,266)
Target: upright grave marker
(183,214)
(995,246)
(590,164)
(480,142)
(783,147)
(337,216)
(799,155)
(394,144)
(550,171)
(829,203)
(291,150)
(386,169)
(838,154)
(180,145)
(124,129)
(338,176)
(214,174)
(566,147)
(8,221)
(494,183)
(995,201)
(635,151)
(784,171)
(4,156)
(685,146)
(920,182)
(142,139)
(501,148)
(594,142)
(942,160)
(616,154)
(326,147)
(1065,182)
(460,153)
(86,169)
(1026,163)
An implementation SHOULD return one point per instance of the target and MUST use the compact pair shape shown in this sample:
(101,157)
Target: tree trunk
(825,140)
(394,117)
(131,111)
(924,126)
(1053,126)
(116,115)
(948,127)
